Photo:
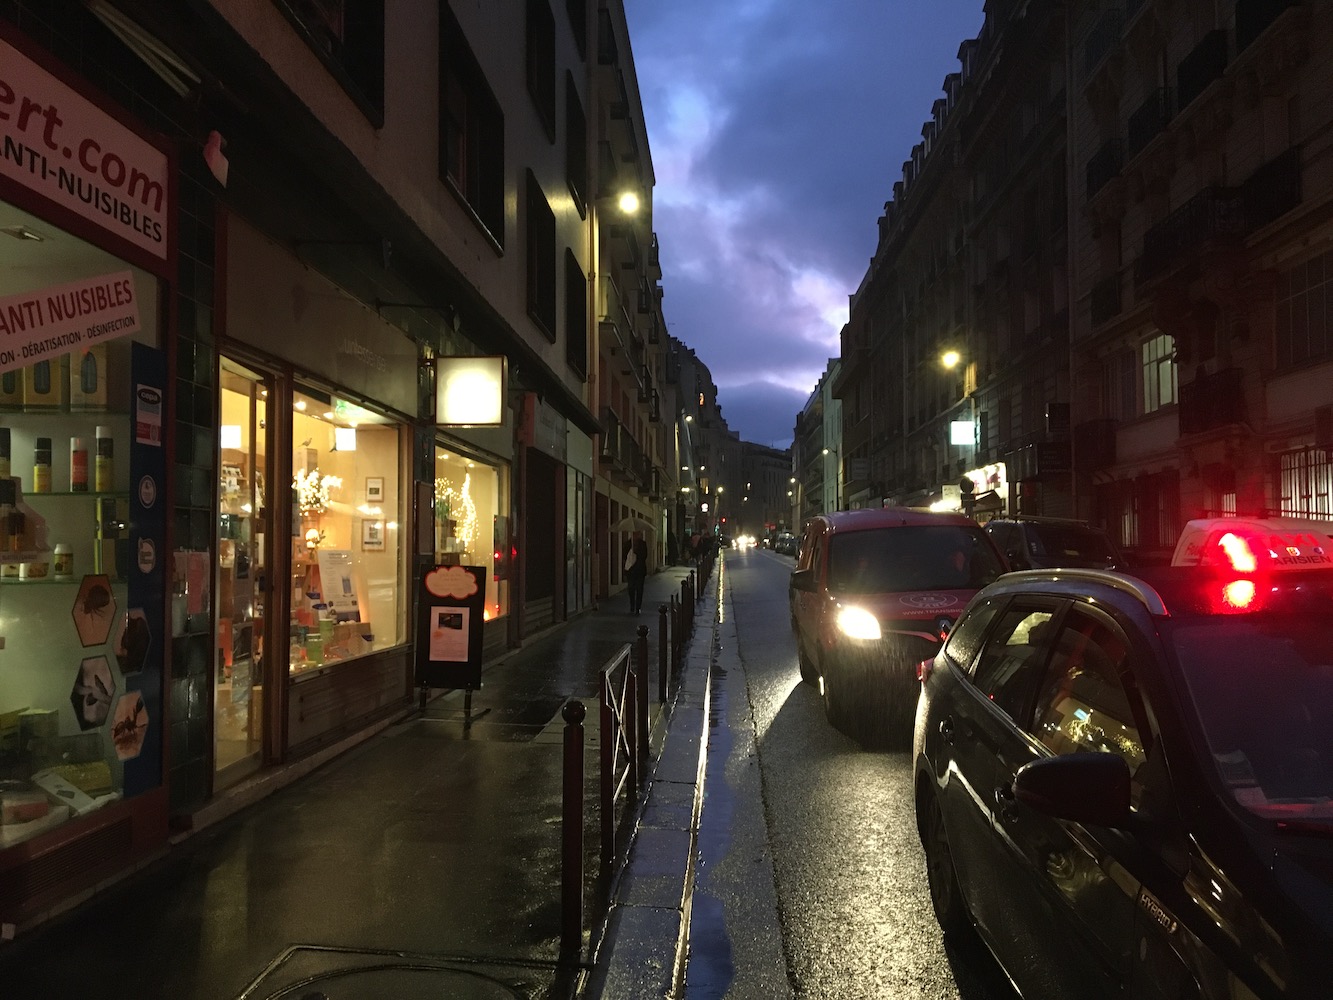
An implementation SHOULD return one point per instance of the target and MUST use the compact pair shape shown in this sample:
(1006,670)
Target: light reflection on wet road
(811,880)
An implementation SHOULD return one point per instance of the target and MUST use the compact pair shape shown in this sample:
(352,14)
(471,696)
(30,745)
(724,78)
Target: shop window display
(471,528)
(347,569)
(75,683)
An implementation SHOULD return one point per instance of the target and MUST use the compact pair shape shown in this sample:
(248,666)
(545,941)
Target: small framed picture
(372,536)
(375,489)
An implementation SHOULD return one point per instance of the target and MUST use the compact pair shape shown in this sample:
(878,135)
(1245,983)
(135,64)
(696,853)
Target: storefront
(86,252)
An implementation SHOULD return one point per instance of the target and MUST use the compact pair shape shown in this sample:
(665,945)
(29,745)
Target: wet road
(811,881)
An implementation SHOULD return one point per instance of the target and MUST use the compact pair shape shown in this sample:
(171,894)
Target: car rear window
(1262,688)
(911,557)
(1071,542)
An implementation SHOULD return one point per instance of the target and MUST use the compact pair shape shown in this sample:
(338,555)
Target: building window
(471,131)
(1159,372)
(576,315)
(578,23)
(348,589)
(541,259)
(1303,305)
(576,145)
(471,526)
(1306,483)
(541,62)
(349,36)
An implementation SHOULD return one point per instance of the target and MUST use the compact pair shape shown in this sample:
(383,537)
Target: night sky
(777,130)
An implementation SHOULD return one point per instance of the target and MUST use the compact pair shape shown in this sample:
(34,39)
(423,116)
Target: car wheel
(945,897)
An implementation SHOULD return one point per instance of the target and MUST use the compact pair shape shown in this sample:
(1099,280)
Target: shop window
(81,685)
(472,149)
(349,36)
(541,259)
(471,522)
(541,62)
(347,572)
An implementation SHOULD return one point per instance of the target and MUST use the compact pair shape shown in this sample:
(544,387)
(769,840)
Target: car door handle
(946,730)
(1005,803)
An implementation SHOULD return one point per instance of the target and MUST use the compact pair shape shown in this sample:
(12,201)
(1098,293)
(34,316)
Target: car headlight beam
(858,623)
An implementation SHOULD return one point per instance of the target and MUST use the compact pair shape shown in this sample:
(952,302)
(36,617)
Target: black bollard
(641,664)
(662,654)
(571,832)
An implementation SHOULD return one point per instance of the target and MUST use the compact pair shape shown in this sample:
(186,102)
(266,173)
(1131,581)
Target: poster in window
(372,536)
(448,634)
(338,590)
(375,489)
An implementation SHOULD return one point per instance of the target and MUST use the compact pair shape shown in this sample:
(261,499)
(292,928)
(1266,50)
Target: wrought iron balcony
(622,452)
(1213,213)
(1212,401)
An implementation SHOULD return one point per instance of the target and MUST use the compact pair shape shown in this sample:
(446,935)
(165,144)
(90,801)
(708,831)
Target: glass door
(242,581)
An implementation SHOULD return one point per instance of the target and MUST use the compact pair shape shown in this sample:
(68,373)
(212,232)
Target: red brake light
(1238,552)
(1238,595)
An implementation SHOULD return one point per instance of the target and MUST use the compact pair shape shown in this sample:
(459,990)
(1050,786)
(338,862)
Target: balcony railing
(624,454)
(1212,401)
(1254,16)
(1148,120)
(1212,213)
(1106,299)
(1104,166)
(1206,63)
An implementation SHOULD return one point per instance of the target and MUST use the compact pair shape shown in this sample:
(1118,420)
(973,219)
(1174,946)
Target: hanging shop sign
(58,144)
(450,611)
(470,391)
(37,326)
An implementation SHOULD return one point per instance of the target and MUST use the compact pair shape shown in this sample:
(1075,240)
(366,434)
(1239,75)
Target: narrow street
(811,878)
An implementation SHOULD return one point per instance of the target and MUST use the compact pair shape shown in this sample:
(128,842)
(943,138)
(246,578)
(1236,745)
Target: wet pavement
(423,862)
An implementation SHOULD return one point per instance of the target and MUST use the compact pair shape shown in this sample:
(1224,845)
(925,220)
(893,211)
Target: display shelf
(47,581)
(85,494)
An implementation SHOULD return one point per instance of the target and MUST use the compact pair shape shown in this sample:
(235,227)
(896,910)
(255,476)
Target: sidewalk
(424,862)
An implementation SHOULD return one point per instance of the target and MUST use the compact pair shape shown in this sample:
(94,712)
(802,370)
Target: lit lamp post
(837,476)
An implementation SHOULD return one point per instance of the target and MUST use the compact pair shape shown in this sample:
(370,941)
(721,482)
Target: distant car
(873,593)
(1045,543)
(1126,782)
(785,543)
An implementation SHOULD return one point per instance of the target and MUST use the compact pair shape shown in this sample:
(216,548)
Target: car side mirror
(1091,788)
(804,580)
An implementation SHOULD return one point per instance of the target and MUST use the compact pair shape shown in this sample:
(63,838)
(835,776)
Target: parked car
(874,592)
(785,543)
(1046,542)
(1125,783)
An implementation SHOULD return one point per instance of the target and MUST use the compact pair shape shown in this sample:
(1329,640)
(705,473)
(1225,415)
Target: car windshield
(1071,542)
(911,557)
(1262,686)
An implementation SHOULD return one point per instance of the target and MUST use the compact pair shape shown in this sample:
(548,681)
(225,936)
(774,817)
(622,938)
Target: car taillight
(1236,597)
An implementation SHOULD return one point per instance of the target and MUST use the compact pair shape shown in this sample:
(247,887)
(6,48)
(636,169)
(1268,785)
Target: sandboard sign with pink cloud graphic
(450,613)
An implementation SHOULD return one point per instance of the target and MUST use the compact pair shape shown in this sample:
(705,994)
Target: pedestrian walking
(636,572)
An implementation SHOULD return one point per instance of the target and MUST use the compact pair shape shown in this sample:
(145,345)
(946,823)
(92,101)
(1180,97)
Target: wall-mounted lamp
(628,202)
(470,391)
(344,439)
(230,435)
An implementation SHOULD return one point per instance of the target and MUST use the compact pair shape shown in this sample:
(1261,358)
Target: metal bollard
(606,778)
(641,661)
(571,832)
(662,654)
(675,635)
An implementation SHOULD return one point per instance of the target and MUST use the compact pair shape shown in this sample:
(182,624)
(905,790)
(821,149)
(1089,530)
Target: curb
(645,942)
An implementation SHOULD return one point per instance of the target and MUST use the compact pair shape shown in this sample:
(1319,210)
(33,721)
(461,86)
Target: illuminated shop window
(471,524)
(347,560)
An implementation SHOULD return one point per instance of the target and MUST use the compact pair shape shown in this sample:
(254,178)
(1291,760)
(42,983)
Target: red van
(873,594)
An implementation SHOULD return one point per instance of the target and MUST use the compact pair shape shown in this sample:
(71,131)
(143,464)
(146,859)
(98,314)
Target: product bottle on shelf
(41,466)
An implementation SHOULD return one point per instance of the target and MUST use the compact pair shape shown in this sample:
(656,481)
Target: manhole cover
(311,972)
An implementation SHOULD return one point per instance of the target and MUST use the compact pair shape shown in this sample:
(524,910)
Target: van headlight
(858,623)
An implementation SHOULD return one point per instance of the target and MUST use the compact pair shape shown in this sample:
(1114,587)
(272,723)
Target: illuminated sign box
(470,392)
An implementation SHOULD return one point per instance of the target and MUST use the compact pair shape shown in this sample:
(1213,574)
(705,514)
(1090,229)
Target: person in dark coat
(636,571)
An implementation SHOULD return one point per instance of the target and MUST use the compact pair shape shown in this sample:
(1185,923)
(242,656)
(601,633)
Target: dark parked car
(873,592)
(1045,543)
(1125,783)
